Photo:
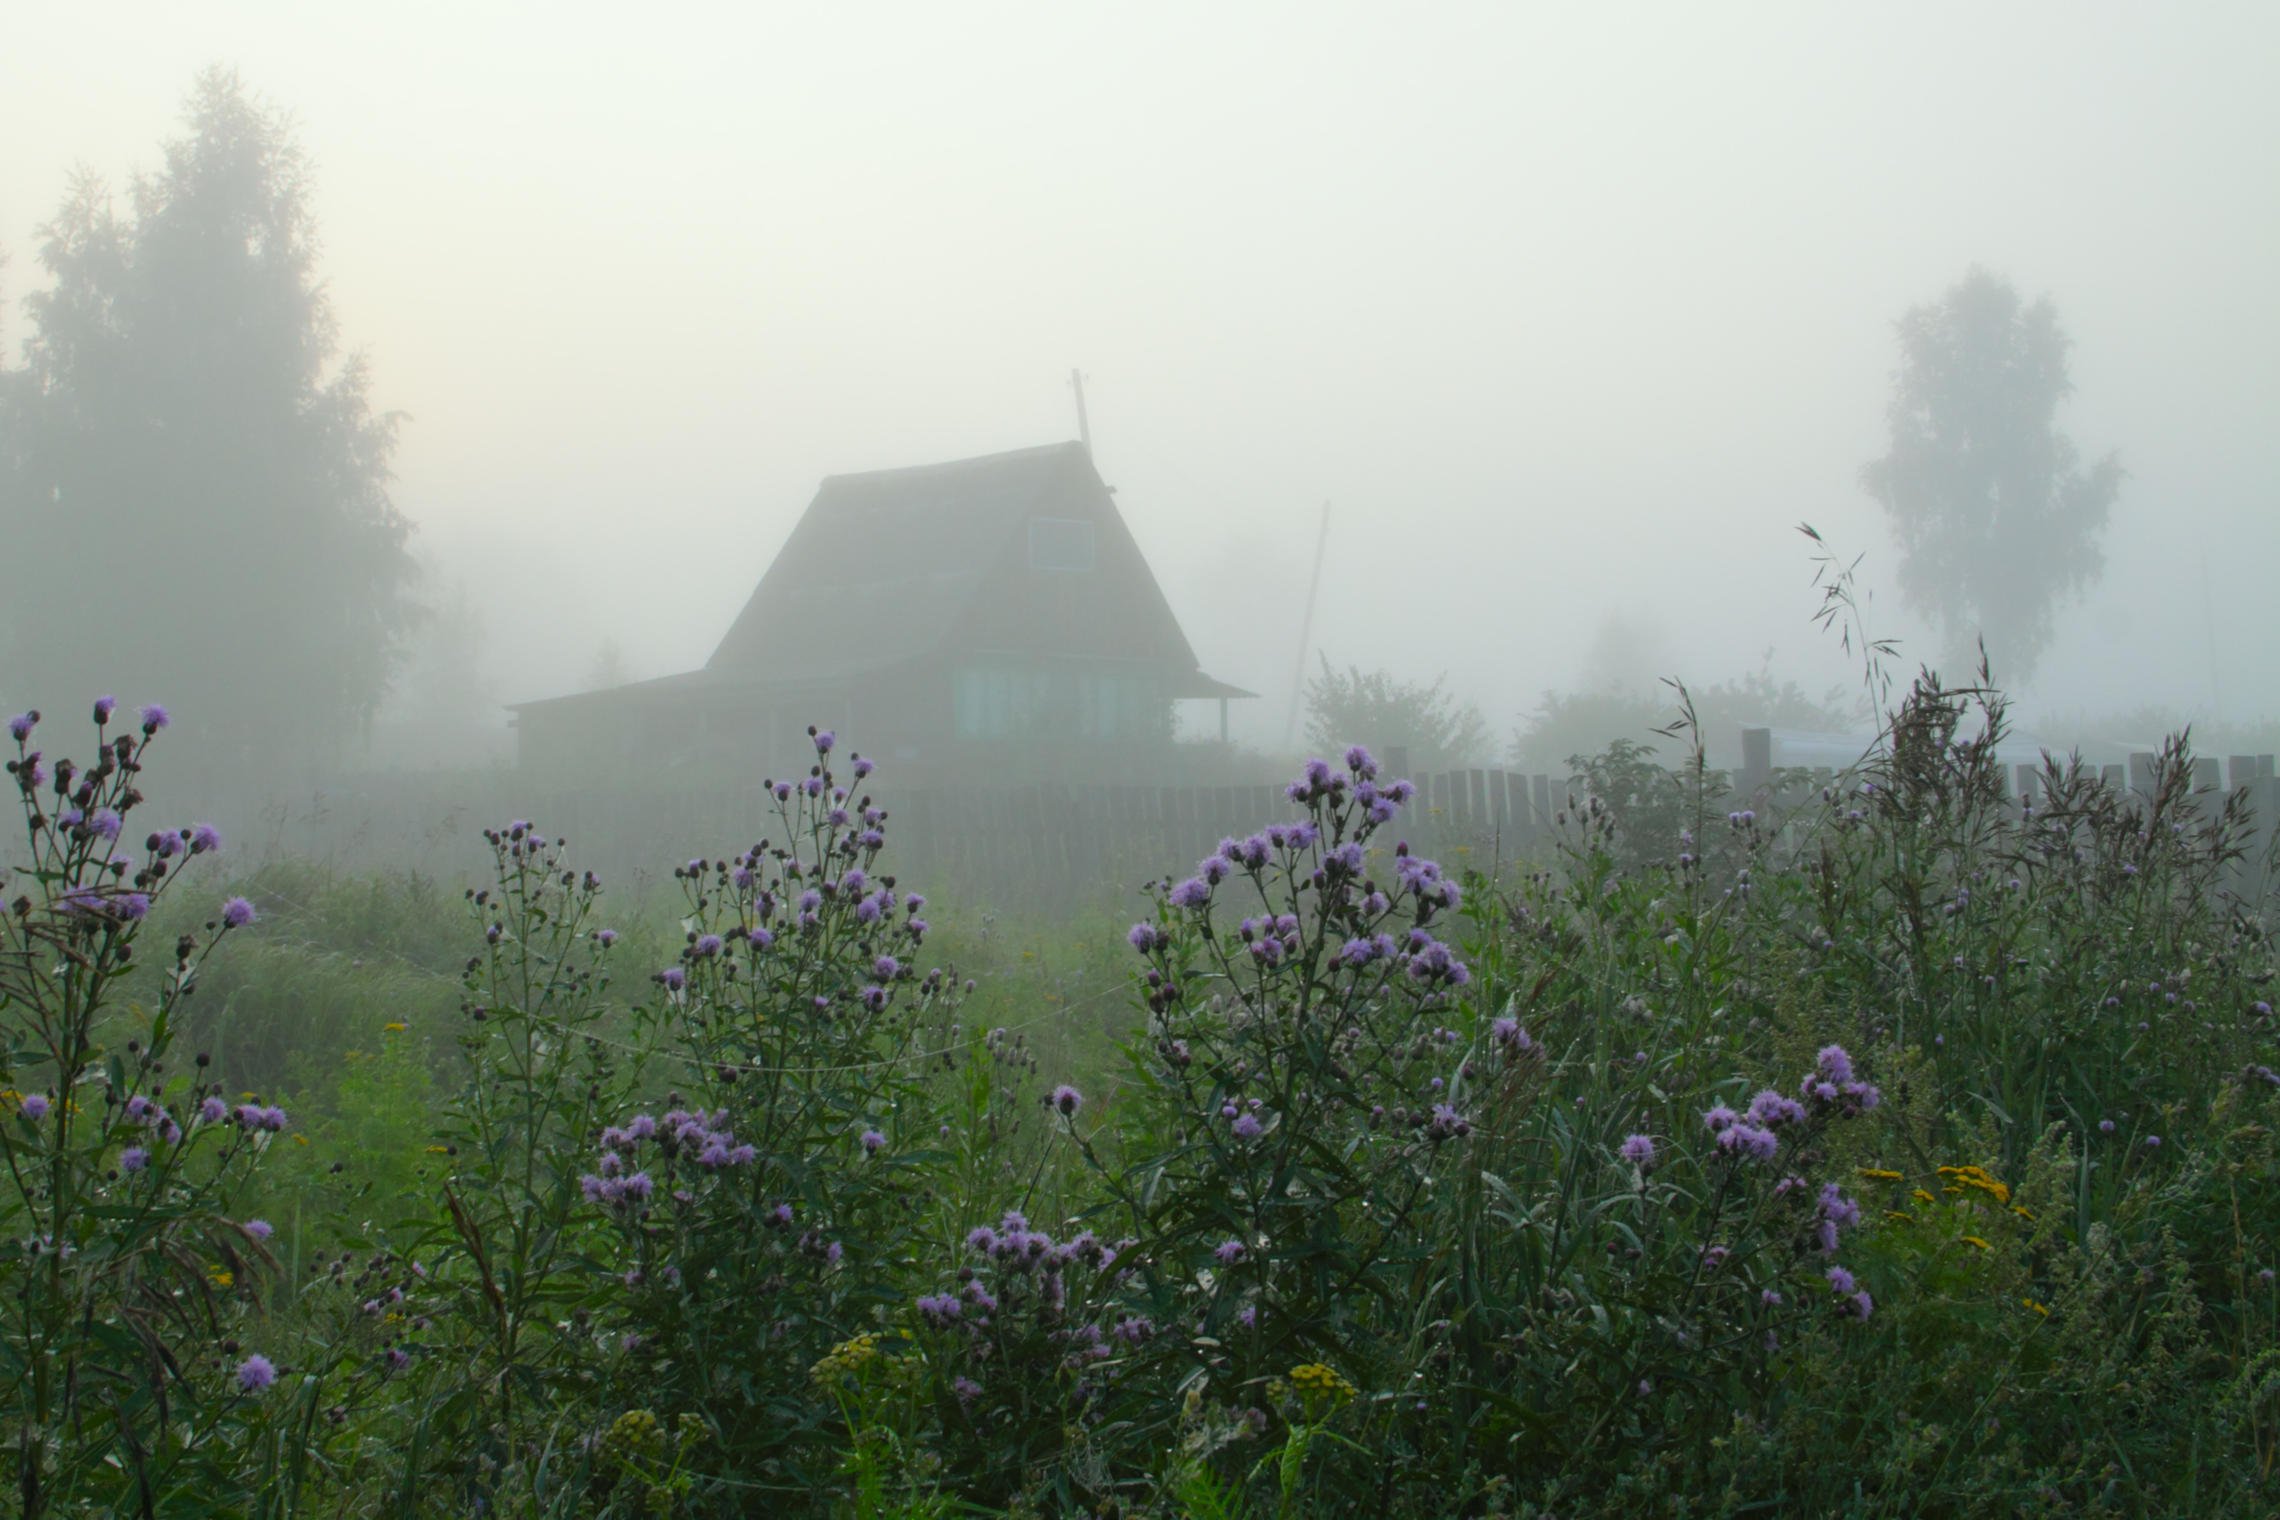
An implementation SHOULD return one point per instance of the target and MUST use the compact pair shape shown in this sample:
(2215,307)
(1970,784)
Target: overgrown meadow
(1901,1152)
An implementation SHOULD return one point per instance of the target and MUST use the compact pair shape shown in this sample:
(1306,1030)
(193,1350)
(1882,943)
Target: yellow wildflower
(1899,1218)
(2022,1211)
(1877,1174)
(1976,1177)
(850,1355)
(393,1026)
(1318,1383)
(1973,1240)
(221,1278)
(439,1150)
(1923,1197)
(2038,1308)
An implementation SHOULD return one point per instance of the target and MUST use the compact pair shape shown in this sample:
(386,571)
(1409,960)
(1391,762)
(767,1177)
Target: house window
(1018,702)
(1060,544)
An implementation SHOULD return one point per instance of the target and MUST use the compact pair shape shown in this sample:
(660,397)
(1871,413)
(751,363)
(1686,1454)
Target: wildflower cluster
(1320,1386)
(1032,1326)
(682,1140)
(122,1172)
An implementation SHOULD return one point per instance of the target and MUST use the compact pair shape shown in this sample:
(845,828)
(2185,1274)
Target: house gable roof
(893,565)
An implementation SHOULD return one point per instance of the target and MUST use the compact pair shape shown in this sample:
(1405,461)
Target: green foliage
(1890,1151)
(1567,724)
(1376,708)
(127,1271)
(1996,517)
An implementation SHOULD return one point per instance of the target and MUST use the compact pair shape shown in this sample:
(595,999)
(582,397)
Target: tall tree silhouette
(202,502)
(1997,518)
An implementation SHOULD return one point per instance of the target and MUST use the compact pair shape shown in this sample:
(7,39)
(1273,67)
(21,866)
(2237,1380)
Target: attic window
(1062,544)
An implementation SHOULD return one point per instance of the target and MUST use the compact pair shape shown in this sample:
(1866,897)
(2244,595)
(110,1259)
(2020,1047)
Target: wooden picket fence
(1030,847)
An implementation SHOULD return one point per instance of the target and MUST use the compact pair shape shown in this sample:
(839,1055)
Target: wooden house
(947,616)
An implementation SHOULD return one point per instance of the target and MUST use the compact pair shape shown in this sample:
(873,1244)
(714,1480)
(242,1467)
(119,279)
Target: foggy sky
(1573,315)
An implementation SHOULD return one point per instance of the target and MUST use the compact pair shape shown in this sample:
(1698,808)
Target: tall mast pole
(1084,424)
(1306,627)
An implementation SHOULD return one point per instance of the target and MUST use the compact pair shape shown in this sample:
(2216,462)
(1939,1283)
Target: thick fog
(1571,316)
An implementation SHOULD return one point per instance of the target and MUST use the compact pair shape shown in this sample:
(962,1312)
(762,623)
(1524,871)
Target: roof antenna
(1084,425)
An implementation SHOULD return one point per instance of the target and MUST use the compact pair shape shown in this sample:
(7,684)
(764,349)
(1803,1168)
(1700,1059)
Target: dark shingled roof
(885,566)
(891,566)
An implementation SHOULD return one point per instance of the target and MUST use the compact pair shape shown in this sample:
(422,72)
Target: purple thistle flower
(1195,892)
(256,1373)
(1065,1101)
(133,1159)
(2153,1142)
(104,825)
(707,945)
(673,978)
(605,937)
(20,726)
(204,839)
(1247,1126)
(886,968)
(1639,1151)
(824,739)
(259,1229)
(35,1106)
(1749,1141)
(104,707)
(1229,1252)
(237,913)
(872,1140)
(213,1111)
(1144,937)
(1839,1279)
(1771,1109)
(1359,762)
(1719,1119)
(154,718)
(1834,1064)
